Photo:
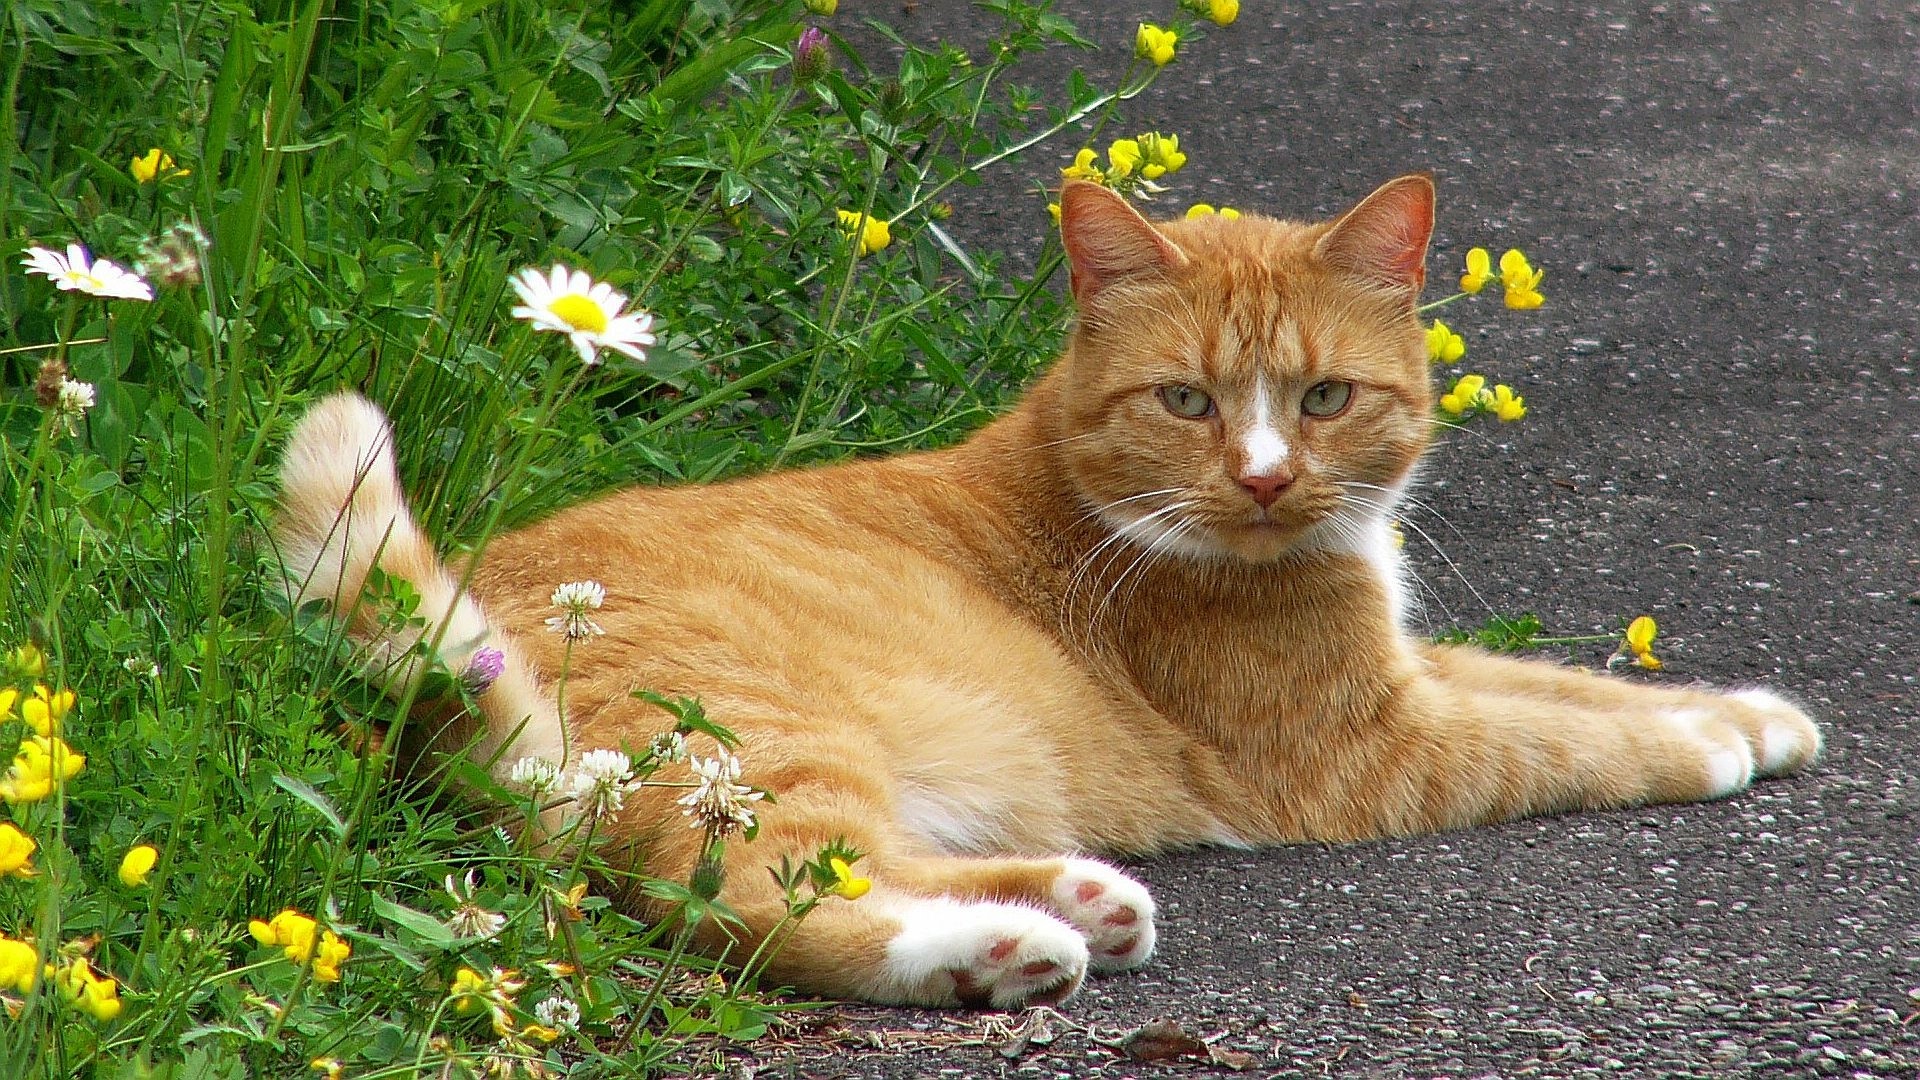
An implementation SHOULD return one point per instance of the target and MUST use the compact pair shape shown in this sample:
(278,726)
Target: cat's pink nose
(1265,488)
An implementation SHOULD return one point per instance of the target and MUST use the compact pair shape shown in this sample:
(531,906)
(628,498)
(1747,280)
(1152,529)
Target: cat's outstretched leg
(1475,738)
(934,930)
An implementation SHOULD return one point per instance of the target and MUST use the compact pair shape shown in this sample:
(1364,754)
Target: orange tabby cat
(1156,605)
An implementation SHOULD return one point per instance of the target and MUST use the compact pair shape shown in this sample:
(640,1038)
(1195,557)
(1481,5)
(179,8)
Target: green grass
(367,177)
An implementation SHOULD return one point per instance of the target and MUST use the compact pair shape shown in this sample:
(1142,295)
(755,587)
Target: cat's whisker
(1081,572)
(1352,533)
(1098,510)
(1148,554)
(1451,565)
(1401,498)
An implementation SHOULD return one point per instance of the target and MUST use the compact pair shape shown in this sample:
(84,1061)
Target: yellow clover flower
(823,7)
(8,695)
(870,233)
(844,883)
(1639,641)
(41,763)
(1155,43)
(1083,168)
(153,165)
(19,965)
(1223,12)
(1521,280)
(1479,271)
(1464,396)
(1162,154)
(1443,345)
(302,940)
(44,710)
(137,864)
(1200,210)
(1053,211)
(1125,156)
(16,851)
(95,995)
(1507,405)
(328,1068)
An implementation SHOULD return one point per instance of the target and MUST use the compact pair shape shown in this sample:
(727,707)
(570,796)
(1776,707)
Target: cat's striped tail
(342,515)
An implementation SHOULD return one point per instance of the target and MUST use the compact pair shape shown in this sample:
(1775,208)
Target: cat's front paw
(1783,738)
(1114,911)
(982,955)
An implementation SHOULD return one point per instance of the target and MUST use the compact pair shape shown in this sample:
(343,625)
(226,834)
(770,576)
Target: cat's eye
(1187,401)
(1327,399)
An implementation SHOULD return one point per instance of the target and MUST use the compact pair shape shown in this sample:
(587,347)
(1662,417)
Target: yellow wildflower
(8,695)
(1479,271)
(302,940)
(1639,641)
(1125,156)
(1162,154)
(328,1068)
(870,233)
(473,993)
(1200,210)
(1443,345)
(540,1032)
(844,883)
(1230,213)
(1053,211)
(137,864)
(1464,396)
(1155,43)
(44,710)
(19,965)
(41,762)
(1507,405)
(1223,12)
(823,7)
(154,164)
(1521,280)
(1083,167)
(95,995)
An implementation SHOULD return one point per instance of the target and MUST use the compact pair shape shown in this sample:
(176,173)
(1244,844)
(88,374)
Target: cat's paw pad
(982,955)
(1783,737)
(1726,757)
(1114,911)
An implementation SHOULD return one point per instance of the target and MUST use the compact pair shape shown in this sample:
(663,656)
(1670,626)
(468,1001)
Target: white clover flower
(599,782)
(78,271)
(669,746)
(70,403)
(538,775)
(469,919)
(575,599)
(587,311)
(719,801)
(559,1012)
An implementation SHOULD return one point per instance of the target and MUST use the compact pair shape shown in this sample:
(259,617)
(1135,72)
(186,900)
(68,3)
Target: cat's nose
(1266,487)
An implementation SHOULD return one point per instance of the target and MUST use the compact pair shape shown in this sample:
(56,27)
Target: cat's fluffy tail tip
(341,508)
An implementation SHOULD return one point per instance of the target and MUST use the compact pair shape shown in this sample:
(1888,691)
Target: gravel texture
(1725,433)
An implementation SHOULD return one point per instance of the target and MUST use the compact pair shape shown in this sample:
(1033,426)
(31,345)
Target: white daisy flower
(575,599)
(587,311)
(599,782)
(77,271)
(538,775)
(719,801)
(560,1013)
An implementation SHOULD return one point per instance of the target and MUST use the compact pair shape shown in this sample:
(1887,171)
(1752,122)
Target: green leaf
(310,795)
(428,929)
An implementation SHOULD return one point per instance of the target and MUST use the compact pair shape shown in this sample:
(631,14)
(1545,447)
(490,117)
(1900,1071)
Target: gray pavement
(1725,433)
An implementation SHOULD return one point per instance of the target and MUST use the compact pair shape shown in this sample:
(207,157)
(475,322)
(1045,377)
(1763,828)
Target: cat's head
(1247,387)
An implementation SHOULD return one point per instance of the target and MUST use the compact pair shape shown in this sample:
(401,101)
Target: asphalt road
(1724,433)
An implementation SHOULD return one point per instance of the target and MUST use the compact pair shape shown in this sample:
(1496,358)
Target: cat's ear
(1384,239)
(1107,240)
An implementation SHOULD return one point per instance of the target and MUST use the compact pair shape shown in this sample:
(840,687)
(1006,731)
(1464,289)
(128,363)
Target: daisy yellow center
(85,280)
(580,313)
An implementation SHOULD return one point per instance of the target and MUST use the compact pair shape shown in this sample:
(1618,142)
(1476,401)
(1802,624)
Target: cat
(1158,604)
